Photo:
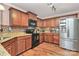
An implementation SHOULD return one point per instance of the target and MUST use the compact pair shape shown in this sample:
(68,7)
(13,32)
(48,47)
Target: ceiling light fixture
(52,6)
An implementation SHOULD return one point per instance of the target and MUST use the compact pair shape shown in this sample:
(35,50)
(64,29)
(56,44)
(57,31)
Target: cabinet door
(41,38)
(44,23)
(50,40)
(20,44)
(32,16)
(13,48)
(56,39)
(15,17)
(48,23)
(52,23)
(46,38)
(39,23)
(57,22)
(28,42)
(10,46)
(24,19)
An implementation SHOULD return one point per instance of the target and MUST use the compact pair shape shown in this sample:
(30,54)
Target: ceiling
(43,10)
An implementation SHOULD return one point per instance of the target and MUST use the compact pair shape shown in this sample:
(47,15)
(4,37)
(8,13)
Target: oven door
(35,39)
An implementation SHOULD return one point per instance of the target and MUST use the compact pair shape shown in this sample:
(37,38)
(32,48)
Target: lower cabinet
(41,37)
(17,45)
(20,44)
(56,39)
(46,38)
(49,38)
(10,46)
(28,42)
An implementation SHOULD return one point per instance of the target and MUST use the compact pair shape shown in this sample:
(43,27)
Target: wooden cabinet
(40,23)
(52,23)
(56,39)
(18,18)
(56,22)
(24,43)
(48,37)
(32,15)
(41,37)
(17,45)
(10,46)
(24,20)
(15,17)
(20,44)
(28,42)
(44,23)
(11,49)
(48,23)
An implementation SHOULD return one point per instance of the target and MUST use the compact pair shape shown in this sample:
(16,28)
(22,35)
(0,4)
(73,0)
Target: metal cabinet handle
(68,33)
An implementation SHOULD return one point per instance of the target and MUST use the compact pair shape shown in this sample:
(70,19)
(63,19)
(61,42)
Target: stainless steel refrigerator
(69,34)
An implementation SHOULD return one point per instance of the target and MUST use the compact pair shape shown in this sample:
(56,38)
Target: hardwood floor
(47,49)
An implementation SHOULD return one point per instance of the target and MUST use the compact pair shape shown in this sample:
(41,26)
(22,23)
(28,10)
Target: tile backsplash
(13,29)
(23,29)
(54,29)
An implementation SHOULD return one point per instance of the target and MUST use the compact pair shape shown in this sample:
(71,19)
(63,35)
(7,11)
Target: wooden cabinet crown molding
(29,12)
(17,10)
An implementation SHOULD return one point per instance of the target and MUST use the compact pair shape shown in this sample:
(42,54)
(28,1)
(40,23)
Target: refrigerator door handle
(68,33)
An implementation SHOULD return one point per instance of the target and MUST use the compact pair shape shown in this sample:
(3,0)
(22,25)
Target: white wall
(6,15)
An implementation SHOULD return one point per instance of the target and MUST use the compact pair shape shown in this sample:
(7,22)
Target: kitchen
(25,33)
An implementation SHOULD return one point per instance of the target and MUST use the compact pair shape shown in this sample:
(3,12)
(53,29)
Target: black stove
(35,39)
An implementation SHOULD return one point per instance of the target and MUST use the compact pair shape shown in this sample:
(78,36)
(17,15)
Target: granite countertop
(12,35)
(9,36)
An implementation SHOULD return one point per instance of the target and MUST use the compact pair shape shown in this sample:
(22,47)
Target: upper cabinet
(52,22)
(49,23)
(57,22)
(44,23)
(24,19)
(32,16)
(14,17)
(18,18)
(39,22)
